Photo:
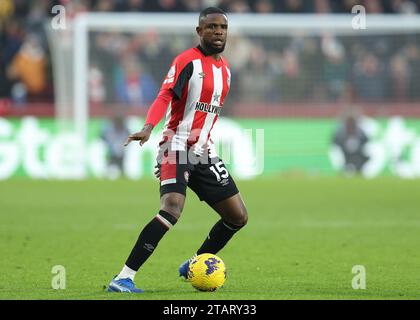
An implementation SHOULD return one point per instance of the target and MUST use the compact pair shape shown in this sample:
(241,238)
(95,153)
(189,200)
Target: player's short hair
(210,10)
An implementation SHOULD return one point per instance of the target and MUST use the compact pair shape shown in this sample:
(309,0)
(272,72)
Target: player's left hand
(141,136)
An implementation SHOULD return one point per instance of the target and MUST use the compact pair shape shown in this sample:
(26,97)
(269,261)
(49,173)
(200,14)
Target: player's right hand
(141,136)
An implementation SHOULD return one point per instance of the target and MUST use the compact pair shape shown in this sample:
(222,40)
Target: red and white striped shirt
(199,85)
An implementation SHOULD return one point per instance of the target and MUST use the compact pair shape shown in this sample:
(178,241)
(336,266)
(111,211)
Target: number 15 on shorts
(219,171)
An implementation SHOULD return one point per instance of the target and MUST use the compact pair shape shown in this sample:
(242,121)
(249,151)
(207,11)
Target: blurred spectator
(238,52)
(6,9)
(344,6)
(28,69)
(130,5)
(257,81)
(399,78)
(134,86)
(21,8)
(373,6)
(295,69)
(263,6)
(150,45)
(336,68)
(413,60)
(236,6)
(38,13)
(369,79)
(75,7)
(312,59)
(114,134)
(274,61)
(11,40)
(350,140)
(192,5)
(403,7)
(105,51)
(322,6)
(97,91)
(164,6)
(104,6)
(294,6)
(291,79)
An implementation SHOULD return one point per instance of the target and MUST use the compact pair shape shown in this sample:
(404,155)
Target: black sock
(149,239)
(219,235)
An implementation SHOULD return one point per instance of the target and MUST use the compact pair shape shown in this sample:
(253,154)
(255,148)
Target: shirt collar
(199,47)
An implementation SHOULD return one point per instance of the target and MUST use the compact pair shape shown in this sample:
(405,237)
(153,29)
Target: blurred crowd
(23,8)
(128,68)
(270,70)
(328,68)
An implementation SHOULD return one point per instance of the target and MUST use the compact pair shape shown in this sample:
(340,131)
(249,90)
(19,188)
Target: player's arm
(156,112)
(172,87)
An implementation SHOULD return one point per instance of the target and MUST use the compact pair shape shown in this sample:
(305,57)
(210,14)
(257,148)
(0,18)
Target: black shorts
(207,177)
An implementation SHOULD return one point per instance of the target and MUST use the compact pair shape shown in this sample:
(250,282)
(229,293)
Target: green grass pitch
(304,236)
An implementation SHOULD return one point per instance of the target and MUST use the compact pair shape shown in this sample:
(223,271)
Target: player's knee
(241,218)
(172,206)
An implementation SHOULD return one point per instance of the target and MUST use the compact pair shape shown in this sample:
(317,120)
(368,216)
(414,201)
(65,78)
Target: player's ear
(198,29)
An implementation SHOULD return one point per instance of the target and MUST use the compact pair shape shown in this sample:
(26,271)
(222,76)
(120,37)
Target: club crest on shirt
(170,76)
(171,72)
(202,75)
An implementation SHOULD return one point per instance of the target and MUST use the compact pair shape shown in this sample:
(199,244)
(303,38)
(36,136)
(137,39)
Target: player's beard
(213,50)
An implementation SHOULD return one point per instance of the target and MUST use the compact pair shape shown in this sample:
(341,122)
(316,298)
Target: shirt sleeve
(158,108)
(178,76)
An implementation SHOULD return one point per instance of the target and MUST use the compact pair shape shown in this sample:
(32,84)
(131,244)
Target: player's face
(213,32)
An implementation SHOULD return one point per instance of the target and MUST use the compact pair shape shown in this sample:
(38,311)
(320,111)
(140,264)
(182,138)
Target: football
(207,272)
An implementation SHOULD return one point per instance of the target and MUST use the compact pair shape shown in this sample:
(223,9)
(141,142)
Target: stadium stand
(326,69)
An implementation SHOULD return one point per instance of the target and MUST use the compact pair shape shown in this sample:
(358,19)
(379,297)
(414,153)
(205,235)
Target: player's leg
(214,185)
(172,189)
(219,190)
(234,216)
(171,206)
